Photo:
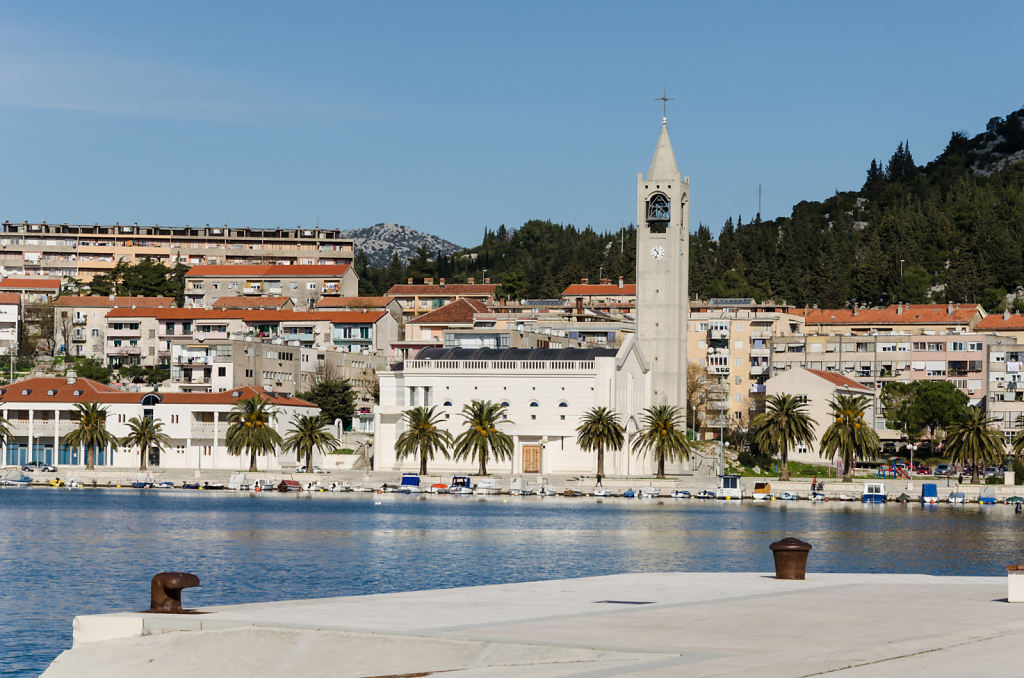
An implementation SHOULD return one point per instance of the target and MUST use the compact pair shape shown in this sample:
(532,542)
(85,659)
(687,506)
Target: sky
(454,116)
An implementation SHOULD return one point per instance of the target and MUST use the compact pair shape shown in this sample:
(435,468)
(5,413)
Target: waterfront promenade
(708,624)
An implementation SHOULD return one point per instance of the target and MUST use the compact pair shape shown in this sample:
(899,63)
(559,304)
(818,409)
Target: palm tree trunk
(142,459)
(90,457)
(974,470)
(784,458)
(252,461)
(600,460)
(847,471)
(423,463)
(483,464)
(661,465)
(309,459)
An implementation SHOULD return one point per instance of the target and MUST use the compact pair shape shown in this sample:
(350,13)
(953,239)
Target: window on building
(534,403)
(222,371)
(311,286)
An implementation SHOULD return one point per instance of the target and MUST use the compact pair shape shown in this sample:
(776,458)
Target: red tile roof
(93,391)
(917,314)
(251,302)
(458,311)
(451,289)
(249,315)
(839,380)
(10,298)
(107,302)
(581,290)
(29,284)
(997,322)
(353,302)
(265,270)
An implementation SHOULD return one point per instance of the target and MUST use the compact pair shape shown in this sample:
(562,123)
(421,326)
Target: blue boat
(929,493)
(410,484)
(987,496)
(629,494)
(874,493)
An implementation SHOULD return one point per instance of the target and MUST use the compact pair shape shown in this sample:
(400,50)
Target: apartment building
(41,410)
(1004,401)
(906,318)
(254,303)
(80,323)
(33,291)
(304,285)
(604,296)
(10,322)
(1004,324)
(419,299)
(223,364)
(732,340)
(82,251)
(145,336)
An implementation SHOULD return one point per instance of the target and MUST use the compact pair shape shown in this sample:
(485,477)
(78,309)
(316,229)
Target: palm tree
(782,425)
(663,432)
(91,432)
(482,439)
(5,432)
(599,430)
(849,436)
(308,433)
(145,433)
(423,437)
(250,430)
(1018,441)
(974,440)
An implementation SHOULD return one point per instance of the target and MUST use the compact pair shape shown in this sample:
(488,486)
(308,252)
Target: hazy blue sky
(454,116)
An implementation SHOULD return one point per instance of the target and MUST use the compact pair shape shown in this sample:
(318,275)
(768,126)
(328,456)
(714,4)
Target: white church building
(547,391)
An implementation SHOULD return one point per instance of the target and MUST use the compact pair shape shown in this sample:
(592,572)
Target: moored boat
(487,486)
(460,485)
(874,493)
(410,484)
(987,496)
(929,493)
(650,492)
(762,491)
(289,486)
(788,496)
(680,494)
(729,488)
(629,494)
(957,498)
(705,494)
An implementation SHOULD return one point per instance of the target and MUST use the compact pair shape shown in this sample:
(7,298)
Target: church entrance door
(531,458)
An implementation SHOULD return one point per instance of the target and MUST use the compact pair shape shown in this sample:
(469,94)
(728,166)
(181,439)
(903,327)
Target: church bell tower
(662,268)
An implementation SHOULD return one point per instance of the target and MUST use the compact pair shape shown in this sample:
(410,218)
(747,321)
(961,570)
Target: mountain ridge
(382,241)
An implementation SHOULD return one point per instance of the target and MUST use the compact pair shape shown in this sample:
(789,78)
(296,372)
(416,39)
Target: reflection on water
(66,553)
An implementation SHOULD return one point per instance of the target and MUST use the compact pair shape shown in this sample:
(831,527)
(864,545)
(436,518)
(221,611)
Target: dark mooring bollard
(165,591)
(790,558)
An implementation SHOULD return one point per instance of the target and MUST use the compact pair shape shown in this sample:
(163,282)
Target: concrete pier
(671,624)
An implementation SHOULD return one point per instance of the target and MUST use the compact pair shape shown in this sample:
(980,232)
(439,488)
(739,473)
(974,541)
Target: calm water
(66,553)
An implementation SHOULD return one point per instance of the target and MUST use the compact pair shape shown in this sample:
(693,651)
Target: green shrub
(994,480)
(344,450)
(1018,471)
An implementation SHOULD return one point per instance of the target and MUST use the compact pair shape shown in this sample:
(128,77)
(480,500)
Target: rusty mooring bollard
(165,591)
(790,558)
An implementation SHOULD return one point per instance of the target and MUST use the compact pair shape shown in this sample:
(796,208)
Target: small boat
(602,492)
(289,486)
(629,494)
(72,483)
(142,481)
(520,492)
(363,488)
(788,496)
(846,497)
(163,485)
(238,481)
(929,493)
(818,496)
(957,498)
(55,482)
(572,493)
(264,485)
(705,494)
(545,491)
(762,491)
(218,486)
(1014,500)
(680,494)
(14,478)
(190,486)
(410,484)
(439,488)
(487,486)
(729,488)
(874,493)
(650,492)
(340,487)
(460,485)
(987,496)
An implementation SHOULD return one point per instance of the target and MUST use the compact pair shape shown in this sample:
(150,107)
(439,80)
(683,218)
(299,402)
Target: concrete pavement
(709,624)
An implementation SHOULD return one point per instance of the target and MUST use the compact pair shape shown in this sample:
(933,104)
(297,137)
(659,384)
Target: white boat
(363,488)
(73,483)
(602,492)
(957,498)
(762,491)
(788,496)
(650,492)
(729,488)
(818,496)
(680,494)
(874,493)
(238,481)
(520,492)
(410,484)
(487,486)
(340,487)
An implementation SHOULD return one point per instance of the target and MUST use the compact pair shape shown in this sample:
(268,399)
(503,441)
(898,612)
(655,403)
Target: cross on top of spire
(664,99)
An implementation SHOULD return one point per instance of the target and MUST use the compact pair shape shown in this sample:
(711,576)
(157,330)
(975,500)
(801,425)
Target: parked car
(38,466)
(922,470)
(316,469)
(943,470)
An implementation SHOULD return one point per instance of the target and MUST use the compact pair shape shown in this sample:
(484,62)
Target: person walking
(599,480)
